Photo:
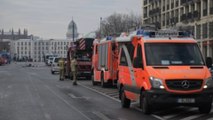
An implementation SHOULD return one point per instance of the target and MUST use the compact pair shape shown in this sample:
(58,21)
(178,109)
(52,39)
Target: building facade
(29,49)
(197,15)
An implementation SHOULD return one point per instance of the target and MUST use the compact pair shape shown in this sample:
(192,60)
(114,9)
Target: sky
(50,18)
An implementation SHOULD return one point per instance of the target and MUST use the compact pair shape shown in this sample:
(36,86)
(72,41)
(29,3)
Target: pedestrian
(74,69)
(61,69)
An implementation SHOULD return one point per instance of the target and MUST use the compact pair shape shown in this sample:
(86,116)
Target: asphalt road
(33,93)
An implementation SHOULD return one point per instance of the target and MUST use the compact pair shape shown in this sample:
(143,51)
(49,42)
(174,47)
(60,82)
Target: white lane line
(155,116)
(192,117)
(67,103)
(99,92)
(101,115)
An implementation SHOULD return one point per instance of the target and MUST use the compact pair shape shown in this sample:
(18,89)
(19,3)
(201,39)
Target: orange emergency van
(163,67)
(105,62)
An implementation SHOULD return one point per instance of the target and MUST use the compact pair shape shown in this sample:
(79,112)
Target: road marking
(101,115)
(192,117)
(99,92)
(66,102)
(75,97)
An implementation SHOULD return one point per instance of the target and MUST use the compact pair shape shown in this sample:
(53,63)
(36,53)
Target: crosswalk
(175,113)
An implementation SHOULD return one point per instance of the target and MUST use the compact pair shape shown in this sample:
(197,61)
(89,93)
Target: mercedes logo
(185,84)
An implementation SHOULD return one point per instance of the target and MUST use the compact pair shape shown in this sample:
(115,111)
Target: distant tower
(72,32)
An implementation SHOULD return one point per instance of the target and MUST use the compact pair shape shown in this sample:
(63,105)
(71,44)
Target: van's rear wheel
(103,84)
(145,106)
(125,102)
(205,108)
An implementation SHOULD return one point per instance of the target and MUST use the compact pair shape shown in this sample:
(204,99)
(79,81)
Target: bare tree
(118,23)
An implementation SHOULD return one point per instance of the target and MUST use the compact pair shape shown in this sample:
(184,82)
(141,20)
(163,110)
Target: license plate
(186,100)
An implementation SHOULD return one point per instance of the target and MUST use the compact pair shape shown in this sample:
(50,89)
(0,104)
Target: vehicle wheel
(103,84)
(205,108)
(145,106)
(125,102)
(53,72)
(93,81)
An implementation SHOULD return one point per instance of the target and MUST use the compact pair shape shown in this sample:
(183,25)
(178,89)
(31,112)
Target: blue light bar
(109,38)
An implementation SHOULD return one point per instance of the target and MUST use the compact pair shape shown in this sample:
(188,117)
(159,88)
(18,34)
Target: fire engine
(105,62)
(163,67)
(82,49)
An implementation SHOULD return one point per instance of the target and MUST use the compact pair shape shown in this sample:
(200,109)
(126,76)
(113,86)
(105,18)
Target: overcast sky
(50,18)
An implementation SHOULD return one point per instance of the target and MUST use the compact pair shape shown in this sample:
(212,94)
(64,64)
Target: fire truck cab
(163,68)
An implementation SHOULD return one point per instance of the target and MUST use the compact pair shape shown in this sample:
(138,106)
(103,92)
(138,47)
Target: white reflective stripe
(131,71)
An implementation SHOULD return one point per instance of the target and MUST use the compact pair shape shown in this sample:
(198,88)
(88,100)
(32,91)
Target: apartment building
(196,15)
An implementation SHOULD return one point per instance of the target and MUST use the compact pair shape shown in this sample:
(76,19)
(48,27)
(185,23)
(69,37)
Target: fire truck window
(123,60)
(130,49)
(138,62)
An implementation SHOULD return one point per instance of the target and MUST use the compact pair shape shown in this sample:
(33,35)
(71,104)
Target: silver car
(55,65)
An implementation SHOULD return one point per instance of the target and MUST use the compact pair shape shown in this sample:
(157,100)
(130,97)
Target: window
(205,30)
(123,60)
(138,61)
(166,54)
(130,49)
(198,30)
(210,30)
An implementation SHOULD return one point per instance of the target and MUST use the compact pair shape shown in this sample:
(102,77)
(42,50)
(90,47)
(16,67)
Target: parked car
(49,62)
(55,65)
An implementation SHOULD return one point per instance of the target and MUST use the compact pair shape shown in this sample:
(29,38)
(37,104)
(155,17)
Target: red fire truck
(82,49)
(105,62)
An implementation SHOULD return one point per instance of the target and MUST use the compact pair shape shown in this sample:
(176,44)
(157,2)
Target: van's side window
(138,61)
(123,60)
(130,49)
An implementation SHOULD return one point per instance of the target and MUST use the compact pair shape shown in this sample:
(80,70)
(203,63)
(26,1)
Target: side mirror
(137,63)
(209,62)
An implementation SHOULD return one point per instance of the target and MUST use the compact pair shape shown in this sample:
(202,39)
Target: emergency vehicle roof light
(147,33)
(109,38)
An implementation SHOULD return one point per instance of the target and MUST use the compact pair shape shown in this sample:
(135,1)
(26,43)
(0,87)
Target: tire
(145,106)
(93,81)
(103,84)
(125,102)
(52,72)
(205,108)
